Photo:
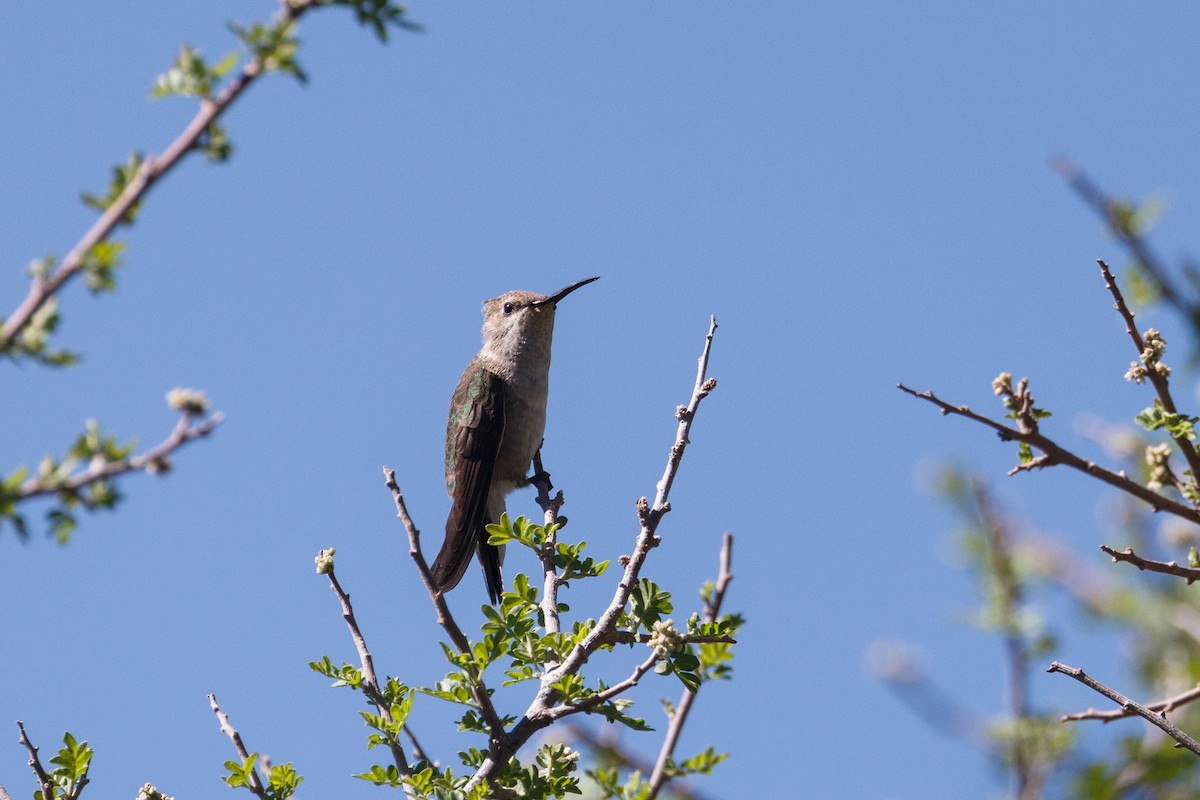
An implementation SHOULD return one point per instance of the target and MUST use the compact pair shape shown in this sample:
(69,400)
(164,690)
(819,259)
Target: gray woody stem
(1157,719)
(45,785)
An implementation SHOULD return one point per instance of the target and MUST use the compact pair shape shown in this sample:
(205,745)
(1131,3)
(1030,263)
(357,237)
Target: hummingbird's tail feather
(490,557)
(452,560)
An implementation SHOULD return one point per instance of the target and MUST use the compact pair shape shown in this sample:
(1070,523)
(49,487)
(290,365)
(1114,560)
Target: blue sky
(859,192)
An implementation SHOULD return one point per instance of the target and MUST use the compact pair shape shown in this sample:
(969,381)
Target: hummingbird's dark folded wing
(473,435)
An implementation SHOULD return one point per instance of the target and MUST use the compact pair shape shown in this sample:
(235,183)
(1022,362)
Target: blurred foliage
(1153,618)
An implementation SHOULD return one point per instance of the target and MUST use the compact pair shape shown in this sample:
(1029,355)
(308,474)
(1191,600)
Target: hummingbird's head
(518,322)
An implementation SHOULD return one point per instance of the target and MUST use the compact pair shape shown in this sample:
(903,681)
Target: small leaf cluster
(1179,426)
(192,76)
(122,176)
(70,773)
(273,44)
(568,559)
(550,775)
(378,15)
(282,779)
(33,338)
(394,695)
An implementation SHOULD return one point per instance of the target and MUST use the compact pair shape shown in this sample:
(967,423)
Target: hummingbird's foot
(540,477)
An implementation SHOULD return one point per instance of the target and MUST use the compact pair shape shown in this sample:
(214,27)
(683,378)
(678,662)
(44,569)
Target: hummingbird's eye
(508,308)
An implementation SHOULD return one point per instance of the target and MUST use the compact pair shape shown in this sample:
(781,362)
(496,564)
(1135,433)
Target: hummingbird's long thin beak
(566,290)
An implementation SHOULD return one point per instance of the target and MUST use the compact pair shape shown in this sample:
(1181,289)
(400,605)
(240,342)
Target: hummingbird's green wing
(473,435)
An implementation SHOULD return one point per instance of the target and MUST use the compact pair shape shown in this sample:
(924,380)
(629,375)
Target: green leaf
(122,175)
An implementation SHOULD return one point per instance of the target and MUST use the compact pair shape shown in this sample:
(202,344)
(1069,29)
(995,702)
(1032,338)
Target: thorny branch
(1166,567)
(45,785)
(1161,706)
(1053,453)
(1158,719)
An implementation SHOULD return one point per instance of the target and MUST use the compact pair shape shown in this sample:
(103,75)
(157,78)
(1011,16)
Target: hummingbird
(497,419)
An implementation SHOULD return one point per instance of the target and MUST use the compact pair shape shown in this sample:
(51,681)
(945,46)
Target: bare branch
(1053,453)
(45,785)
(1169,704)
(1190,574)
(255,783)
(1158,719)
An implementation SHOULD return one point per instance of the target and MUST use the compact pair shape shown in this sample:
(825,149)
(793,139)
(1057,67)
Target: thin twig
(1190,574)
(183,433)
(591,702)
(255,783)
(659,778)
(1169,704)
(479,691)
(1053,453)
(1157,378)
(45,785)
(371,687)
(1158,719)
(537,715)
